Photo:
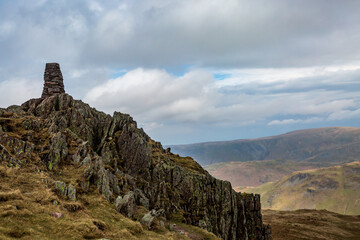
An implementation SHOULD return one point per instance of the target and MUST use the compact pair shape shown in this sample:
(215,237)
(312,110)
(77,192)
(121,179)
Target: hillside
(309,224)
(331,144)
(256,173)
(68,171)
(30,208)
(336,189)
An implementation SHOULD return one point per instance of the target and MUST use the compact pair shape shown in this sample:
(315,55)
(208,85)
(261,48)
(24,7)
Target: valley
(336,189)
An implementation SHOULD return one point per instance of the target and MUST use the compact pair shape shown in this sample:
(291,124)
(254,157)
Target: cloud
(189,64)
(295,121)
(345,114)
(17,91)
(153,95)
(166,33)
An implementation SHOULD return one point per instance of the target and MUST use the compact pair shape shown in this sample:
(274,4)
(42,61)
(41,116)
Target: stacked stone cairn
(53,80)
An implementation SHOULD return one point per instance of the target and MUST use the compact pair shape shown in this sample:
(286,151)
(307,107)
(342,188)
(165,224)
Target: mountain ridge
(311,145)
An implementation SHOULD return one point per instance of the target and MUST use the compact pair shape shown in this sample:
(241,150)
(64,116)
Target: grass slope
(256,173)
(312,225)
(27,200)
(335,189)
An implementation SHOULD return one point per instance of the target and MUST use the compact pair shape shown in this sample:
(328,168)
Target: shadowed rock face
(53,80)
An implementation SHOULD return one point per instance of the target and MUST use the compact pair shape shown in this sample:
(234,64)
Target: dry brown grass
(27,199)
(312,224)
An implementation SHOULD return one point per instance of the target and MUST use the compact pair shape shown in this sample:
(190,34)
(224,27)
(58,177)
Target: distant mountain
(332,144)
(334,188)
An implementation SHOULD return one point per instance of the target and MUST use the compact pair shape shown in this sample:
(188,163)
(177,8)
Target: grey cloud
(217,33)
(230,33)
(91,39)
(156,96)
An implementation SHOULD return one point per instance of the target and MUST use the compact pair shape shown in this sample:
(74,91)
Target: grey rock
(86,161)
(58,150)
(141,199)
(71,192)
(126,204)
(149,218)
(61,187)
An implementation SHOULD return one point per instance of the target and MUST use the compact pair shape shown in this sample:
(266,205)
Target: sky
(191,71)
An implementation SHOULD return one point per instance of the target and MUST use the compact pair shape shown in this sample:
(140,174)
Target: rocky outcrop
(66,191)
(148,219)
(122,160)
(126,204)
(111,154)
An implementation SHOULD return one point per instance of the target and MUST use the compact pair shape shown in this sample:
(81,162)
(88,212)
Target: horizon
(191,72)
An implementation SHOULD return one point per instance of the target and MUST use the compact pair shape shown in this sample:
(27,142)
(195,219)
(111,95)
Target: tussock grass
(27,199)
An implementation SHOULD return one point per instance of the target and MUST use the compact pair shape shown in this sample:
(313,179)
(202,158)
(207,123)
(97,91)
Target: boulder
(141,199)
(66,191)
(149,218)
(126,204)
(58,150)
(71,192)
(61,188)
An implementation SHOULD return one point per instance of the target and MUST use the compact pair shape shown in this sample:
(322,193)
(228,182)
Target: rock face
(130,169)
(53,80)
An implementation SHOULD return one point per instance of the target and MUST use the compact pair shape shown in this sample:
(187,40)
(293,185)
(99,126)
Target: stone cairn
(53,80)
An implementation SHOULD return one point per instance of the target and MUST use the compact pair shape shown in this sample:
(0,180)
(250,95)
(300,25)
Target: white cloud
(153,95)
(345,114)
(284,77)
(295,121)
(17,91)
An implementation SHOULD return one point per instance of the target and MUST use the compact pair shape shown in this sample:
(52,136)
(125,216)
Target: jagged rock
(107,183)
(81,152)
(86,161)
(141,199)
(66,191)
(126,204)
(15,150)
(148,218)
(202,224)
(58,150)
(61,187)
(7,157)
(71,192)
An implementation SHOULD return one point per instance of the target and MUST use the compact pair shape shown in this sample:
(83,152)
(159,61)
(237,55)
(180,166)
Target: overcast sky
(191,71)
